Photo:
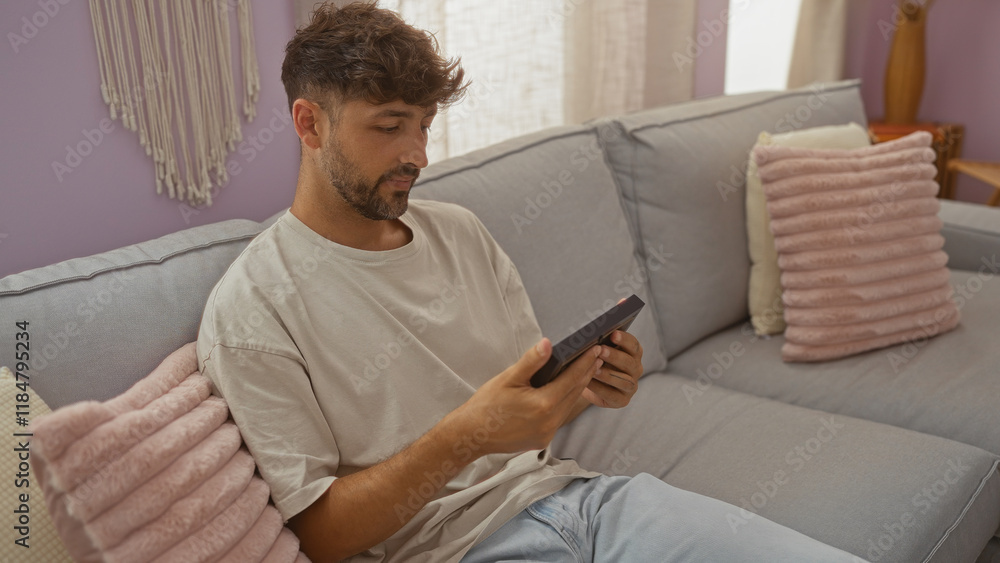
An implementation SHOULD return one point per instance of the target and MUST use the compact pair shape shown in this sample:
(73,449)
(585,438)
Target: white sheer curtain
(820,43)
(511,51)
(625,55)
(540,63)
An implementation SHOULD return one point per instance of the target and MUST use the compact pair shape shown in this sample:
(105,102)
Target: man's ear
(310,122)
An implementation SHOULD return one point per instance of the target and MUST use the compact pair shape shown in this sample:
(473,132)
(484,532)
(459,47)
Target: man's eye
(425,128)
(388,129)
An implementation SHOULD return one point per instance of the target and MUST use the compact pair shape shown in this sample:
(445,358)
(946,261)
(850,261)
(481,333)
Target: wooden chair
(988,172)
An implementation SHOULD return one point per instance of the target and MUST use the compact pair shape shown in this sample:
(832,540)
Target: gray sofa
(892,455)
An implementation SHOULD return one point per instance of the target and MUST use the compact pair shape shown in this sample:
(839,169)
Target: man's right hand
(528,417)
(365,508)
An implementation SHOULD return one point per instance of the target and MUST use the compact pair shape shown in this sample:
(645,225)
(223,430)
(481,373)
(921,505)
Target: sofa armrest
(972,235)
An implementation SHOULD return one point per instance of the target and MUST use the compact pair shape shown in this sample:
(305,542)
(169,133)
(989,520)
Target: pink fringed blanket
(157,474)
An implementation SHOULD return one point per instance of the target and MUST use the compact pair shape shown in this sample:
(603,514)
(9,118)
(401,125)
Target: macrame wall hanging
(167,72)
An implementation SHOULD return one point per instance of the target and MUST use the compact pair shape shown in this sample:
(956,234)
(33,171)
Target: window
(759,44)
(513,52)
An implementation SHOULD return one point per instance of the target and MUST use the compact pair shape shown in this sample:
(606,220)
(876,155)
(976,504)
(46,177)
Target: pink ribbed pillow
(859,246)
(157,474)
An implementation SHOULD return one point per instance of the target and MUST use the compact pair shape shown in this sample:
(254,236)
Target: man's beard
(362,195)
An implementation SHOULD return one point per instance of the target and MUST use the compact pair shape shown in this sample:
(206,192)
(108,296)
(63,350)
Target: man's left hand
(617,380)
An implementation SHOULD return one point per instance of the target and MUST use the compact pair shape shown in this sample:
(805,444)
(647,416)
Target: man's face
(374,154)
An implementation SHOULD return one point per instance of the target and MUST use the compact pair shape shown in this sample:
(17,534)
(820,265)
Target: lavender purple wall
(963,75)
(51,100)
(963,72)
(51,96)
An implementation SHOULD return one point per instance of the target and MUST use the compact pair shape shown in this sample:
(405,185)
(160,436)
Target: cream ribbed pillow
(44,545)
(764,292)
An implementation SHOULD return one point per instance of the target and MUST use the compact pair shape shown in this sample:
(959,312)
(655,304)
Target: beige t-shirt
(333,359)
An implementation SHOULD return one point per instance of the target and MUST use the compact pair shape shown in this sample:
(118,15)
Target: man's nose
(416,153)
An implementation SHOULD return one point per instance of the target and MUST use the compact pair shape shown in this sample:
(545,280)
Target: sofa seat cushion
(947,385)
(552,204)
(880,492)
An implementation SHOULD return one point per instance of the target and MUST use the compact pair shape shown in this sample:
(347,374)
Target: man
(376,353)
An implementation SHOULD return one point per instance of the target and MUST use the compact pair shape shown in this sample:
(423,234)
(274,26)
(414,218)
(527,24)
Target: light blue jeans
(640,519)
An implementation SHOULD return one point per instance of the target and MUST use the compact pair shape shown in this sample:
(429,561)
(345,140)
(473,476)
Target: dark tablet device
(599,330)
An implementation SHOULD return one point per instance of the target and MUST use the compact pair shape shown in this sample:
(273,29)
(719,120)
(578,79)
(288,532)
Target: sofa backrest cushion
(681,169)
(97,324)
(551,202)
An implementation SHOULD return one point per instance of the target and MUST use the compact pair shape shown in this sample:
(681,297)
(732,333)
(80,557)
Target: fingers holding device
(597,331)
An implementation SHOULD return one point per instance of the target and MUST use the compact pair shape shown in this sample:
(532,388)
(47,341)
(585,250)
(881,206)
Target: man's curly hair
(364,52)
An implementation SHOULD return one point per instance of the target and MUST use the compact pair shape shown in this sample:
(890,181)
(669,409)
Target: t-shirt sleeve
(271,401)
(526,330)
(522,316)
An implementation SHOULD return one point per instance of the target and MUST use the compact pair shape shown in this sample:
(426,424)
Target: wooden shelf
(947,144)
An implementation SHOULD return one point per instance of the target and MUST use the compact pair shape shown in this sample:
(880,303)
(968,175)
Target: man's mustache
(406,171)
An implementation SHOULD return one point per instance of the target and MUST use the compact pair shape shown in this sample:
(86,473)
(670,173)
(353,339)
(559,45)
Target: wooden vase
(904,74)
